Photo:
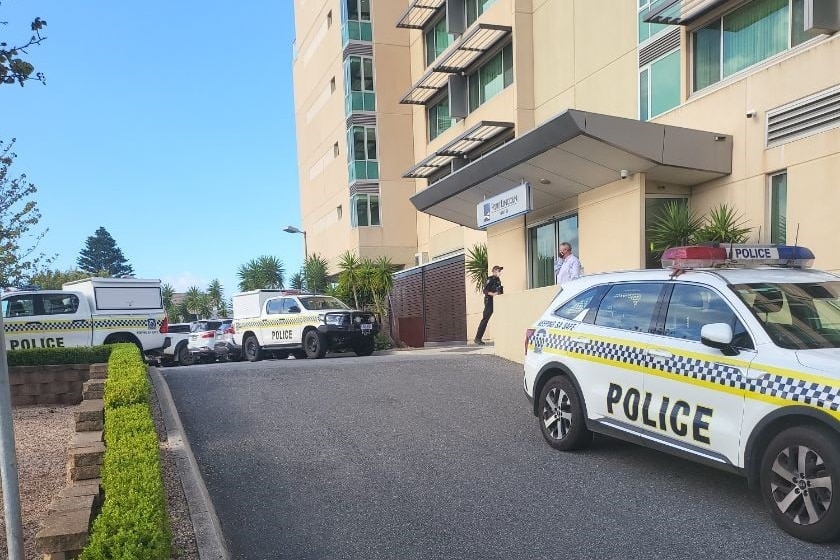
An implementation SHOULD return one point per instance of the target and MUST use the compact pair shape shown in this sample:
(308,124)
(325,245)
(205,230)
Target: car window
(19,306)
(60,304)
(201,326)
(290,306)
(178,328)
(796,316)
(692,306)
(576,308)
(629,306)
(315,303)
(274,306)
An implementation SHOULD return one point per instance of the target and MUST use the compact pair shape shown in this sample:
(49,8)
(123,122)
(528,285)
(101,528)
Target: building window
(648,30)
(339,212)
(746,36)
(778,208)
(362,153)
(494,76)
(356,24)
(438,118)
(437,40)
(659,86)
(336,151)
(332,84)
(365,210)
(475,8)
(358,84)
(542,248)
(329,19)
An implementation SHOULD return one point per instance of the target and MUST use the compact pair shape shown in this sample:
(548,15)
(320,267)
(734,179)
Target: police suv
(730,356)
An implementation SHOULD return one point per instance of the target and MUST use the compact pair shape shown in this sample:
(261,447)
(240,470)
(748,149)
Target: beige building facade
(608,110)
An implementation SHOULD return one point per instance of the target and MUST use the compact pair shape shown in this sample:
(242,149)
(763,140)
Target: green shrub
(59,356)
(132,524)
(383,342)
(128,382)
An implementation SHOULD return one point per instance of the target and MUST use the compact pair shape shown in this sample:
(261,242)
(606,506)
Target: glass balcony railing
(353,30)
(363,169)
(359,101)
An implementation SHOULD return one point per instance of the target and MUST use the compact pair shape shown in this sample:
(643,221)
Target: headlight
(333,319)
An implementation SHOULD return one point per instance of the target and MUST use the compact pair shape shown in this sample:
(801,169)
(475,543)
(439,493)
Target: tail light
(208,334)
(229,330)
(164,326)
(528,334)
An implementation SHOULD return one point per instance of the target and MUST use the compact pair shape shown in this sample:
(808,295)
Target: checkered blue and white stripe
(780,386)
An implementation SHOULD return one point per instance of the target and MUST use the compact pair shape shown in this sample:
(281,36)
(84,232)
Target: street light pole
(293,229)
(8,460)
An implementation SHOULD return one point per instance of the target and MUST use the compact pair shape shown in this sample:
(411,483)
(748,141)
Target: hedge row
(57,356)
(133,524)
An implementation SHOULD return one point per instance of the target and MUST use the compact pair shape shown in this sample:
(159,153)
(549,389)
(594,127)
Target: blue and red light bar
(718,255)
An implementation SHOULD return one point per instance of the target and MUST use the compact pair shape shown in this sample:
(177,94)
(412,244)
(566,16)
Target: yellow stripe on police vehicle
(728,355)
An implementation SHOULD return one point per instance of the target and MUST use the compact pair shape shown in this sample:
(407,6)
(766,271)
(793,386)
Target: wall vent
(659,47)
(805,117)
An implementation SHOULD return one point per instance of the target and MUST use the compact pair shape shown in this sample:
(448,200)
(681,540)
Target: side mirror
(294,309)
(718,335)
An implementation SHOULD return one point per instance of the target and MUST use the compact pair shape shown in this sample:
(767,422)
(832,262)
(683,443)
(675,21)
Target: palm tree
(263,273)
(476,265)
(297,282)
(676,225)
(350,274)
(193,300)
(216,296)
(380,279)
(315,273)
(167,292)
(723,226)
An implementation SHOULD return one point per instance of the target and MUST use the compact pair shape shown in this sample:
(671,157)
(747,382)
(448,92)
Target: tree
(101,254)
(476,266)
(380,281)
(54,279)
(315,273)
(19,214)
(297,282)
(168,295)
(350,274)
(263,273)
(14,69)
(216,297)
(197,303)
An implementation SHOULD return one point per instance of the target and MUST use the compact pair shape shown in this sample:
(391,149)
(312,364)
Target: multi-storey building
(350,67)
(540,121)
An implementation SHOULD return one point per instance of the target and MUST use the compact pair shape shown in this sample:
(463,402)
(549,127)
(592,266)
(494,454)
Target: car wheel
(561,418)
(799,472)
(364,346)
(315,345)
(184,356)
(251,349)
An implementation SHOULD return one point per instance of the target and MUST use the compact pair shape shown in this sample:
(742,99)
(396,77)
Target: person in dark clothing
(492,288)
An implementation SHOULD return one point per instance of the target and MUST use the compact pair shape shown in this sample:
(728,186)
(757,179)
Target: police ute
(729,356)
(87,313)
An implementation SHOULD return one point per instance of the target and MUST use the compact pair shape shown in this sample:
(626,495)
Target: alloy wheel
(557,413)
(801,485)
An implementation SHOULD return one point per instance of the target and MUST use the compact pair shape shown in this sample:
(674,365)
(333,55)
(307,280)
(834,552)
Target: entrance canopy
(575,152)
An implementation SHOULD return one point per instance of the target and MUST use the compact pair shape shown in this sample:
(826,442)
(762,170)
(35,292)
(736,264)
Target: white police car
(730,357)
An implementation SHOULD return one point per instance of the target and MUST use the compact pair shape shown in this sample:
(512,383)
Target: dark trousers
(488,311)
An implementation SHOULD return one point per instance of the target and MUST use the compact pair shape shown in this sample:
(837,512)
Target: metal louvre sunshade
(460,146)
(455,59)
(682,12)
(426,87)
(470,46)
(419,13)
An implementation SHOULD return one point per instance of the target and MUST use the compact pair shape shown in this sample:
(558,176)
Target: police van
(87,313)
(729,356)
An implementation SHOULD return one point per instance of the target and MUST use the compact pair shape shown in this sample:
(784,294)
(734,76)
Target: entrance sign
(509,204)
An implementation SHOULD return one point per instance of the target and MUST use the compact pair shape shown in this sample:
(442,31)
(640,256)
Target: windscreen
(314,303)
(801,316)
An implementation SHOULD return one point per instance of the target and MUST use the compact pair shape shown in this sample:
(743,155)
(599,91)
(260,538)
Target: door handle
(660,354)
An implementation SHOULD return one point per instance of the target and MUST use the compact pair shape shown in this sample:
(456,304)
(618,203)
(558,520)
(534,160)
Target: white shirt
(566,269)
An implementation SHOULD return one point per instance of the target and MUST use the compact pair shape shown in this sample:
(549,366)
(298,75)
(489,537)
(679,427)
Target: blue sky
(171,124)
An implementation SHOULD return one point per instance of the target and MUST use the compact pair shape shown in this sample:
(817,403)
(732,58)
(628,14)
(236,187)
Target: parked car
(178,352)
(226,348)
(202,343)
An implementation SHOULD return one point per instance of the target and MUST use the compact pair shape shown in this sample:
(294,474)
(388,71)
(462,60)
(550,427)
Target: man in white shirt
(566,266)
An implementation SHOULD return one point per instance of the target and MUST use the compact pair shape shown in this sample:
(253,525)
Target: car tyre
(364,346)
(561,417)
(251,349)
(799,472)
(315,345)
(184,356)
